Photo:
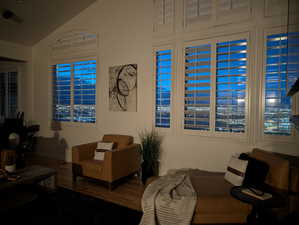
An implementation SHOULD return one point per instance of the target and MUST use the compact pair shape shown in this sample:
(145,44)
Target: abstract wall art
(123,88)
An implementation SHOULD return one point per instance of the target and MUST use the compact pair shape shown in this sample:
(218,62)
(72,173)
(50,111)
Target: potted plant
(150,148)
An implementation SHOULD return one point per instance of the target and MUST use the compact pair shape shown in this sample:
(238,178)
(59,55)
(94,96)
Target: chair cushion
(278,174)
(92,168)
(120,140)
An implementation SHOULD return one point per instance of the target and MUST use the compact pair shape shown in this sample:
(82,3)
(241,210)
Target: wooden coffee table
(19,192)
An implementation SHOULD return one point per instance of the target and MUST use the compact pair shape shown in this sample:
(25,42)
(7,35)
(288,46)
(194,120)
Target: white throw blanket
(169,200)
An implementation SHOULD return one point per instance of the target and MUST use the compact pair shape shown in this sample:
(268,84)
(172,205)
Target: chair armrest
(122,162)
(83,152)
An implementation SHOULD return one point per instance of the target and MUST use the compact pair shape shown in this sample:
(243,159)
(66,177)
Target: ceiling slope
(39,18)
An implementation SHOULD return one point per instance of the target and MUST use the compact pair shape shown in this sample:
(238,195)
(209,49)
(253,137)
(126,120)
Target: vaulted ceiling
(39,18)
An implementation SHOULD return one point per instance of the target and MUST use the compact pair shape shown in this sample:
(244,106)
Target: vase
(146,172)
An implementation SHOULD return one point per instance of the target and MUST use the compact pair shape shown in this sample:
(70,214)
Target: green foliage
(150,148)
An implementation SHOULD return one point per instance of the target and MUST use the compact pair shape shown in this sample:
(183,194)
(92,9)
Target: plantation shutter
(197,10)
(163,87)
(12,94)
(164,14)
(197,87)
(227,5)
(2,95)
(231,81)
(84,91)
(282,69)
(62,92)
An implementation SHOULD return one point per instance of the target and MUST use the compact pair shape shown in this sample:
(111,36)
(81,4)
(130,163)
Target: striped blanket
(169,200)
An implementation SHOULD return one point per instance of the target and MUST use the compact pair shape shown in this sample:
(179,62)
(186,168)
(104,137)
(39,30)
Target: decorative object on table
(256,172)
(150,149)
(8,160)
(14,140)
(236,170)
(255,194)
(123,88)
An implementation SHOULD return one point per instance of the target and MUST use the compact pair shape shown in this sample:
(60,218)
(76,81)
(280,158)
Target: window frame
(294,106)
(213,42)
(71,61)
(217,17)
(10,68)
(173,85)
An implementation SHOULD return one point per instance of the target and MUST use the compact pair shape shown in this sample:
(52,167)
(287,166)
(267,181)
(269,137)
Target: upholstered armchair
(122,161)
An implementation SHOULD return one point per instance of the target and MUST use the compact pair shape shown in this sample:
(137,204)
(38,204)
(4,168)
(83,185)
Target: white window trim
(15,68)
(268,137)
(218,18)
(173,87)
(213,41)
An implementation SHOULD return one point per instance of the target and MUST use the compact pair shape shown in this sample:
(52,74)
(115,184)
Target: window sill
(77,125)
(243,137)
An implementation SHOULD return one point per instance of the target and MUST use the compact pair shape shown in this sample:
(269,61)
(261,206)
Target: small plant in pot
(150,148)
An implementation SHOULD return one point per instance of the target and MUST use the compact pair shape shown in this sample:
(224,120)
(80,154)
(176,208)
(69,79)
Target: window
(8,94)
(205,13)
(231,79)
(197,87)
(74,91)
(281,71)
(164,15)
(230,62)
(163,87)
(228,5)
(197,10)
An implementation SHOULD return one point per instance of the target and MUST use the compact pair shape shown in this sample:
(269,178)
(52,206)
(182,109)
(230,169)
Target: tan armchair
(123,161)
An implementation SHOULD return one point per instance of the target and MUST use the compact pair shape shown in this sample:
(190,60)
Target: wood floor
(128,194)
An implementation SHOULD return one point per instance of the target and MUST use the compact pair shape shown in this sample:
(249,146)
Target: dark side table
(258,214)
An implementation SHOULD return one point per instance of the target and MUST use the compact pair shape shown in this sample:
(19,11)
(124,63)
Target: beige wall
(125,36)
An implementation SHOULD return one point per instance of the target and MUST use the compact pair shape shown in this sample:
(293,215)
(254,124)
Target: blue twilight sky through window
(163,87)
(74,88)
(282,68)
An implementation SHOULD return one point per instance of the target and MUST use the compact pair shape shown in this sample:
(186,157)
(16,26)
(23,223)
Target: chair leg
(77,171)
(111,186)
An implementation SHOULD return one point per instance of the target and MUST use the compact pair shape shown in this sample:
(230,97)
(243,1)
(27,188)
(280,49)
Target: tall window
(230,62)
(163,87)
(197,87)
(8,94)
(281,71)
(74,91)
(231,79)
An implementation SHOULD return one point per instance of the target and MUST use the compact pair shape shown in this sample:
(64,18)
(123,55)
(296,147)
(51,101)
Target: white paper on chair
(99,154)
(105,145)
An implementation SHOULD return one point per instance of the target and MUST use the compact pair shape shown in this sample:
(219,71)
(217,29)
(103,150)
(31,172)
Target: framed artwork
(123,88)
